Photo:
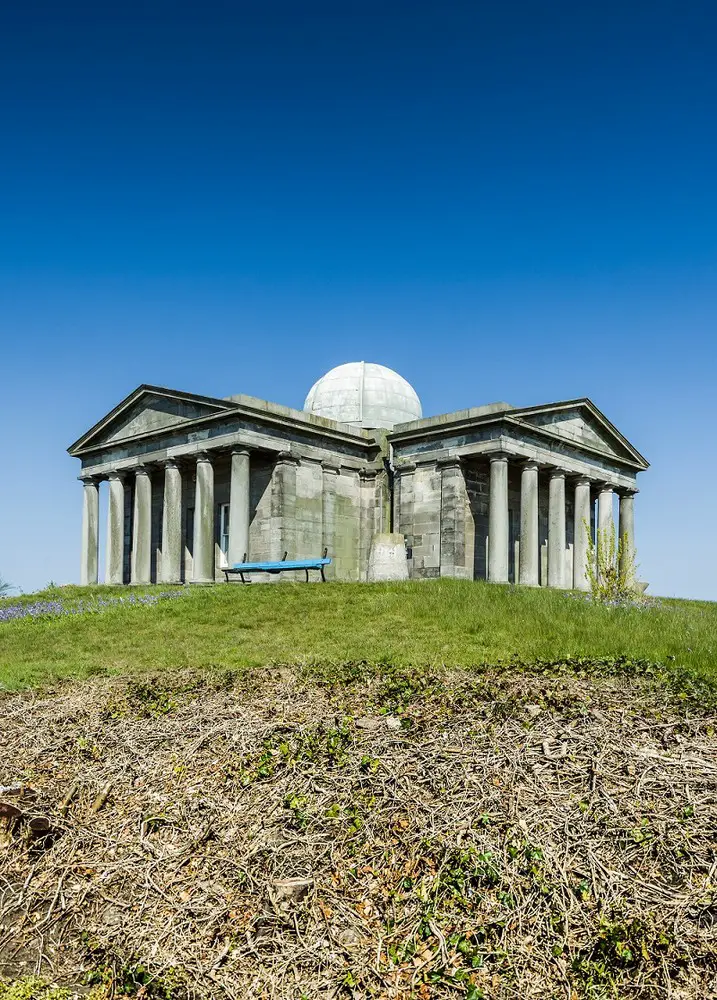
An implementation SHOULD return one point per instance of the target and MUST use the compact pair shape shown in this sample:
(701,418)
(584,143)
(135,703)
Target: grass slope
(451,622)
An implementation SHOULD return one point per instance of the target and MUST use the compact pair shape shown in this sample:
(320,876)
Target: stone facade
(495,492)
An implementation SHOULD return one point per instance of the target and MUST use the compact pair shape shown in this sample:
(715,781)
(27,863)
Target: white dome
(364,395)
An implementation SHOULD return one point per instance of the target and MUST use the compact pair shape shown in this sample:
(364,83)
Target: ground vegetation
(540,831)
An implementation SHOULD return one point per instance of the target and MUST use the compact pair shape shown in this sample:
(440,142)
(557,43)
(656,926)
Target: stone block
(387,558)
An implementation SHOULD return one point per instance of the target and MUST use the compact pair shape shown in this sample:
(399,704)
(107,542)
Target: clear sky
(503,201)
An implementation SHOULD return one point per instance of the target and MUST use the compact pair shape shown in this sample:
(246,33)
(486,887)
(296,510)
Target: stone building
(494,492)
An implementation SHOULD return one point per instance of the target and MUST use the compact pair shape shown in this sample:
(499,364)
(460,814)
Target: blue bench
(279,567)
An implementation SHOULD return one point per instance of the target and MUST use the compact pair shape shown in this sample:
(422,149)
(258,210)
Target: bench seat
(279,567)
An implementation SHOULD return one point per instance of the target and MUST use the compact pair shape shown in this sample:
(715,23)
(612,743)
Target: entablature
(154,425)
(574,431)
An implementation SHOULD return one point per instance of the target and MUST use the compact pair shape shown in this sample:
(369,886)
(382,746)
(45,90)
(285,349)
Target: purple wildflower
(57,608)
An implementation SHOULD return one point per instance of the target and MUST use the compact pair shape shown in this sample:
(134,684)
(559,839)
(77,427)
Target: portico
(195,483)
(529,482)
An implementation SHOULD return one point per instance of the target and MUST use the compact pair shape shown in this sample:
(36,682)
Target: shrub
(611,568)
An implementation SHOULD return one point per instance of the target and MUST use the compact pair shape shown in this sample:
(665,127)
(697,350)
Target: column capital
(604,487)
(116,476)
(141,470)
(582,481)
(555,472)
(90,480)
(170,463)
(331,467)
(240,449)
(405,467)
(498,456)
(367,474)
(529,465)
(626,492)
(204,456)
(286,458)
(450,462)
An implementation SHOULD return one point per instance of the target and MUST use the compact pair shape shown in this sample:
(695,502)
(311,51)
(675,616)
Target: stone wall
(457,525)
(260,523)
(375,512)
(300,506)
(477,479)
(419,518)
(308,511)
(347,528)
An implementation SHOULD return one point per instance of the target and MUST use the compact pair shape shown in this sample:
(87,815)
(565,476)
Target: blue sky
(501,201)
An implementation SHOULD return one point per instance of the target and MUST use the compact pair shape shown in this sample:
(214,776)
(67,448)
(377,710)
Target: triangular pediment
(580,423)
(146,411)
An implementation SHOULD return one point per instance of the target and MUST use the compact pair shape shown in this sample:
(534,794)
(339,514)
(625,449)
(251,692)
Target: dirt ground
(405,835)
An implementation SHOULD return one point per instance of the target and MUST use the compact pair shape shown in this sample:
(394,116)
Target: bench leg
(323,575)
(307,575)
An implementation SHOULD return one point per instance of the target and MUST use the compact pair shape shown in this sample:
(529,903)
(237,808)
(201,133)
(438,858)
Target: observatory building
(494,492)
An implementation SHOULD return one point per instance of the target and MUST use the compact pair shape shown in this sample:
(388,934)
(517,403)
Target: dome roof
(365,395)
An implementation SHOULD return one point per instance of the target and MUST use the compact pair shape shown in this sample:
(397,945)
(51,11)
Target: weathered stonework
(493,492)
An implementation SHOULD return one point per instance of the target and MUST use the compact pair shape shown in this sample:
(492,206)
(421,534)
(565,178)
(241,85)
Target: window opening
(223,533)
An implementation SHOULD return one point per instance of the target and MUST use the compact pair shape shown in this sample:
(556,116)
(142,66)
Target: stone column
(239,506)
(203,568)
(172,524)
(581,535)
(329,474)
(141,563)
(556,529)
(605,521)
(90,532)
(114,572)
(529,542)
(627,536)
(498,520)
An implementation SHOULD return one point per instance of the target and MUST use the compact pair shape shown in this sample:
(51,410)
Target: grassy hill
(442,622)
(396,792)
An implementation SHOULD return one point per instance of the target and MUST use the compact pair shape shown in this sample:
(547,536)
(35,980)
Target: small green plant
(611,567)
(134,980)
(5,587)
(32,988)
(297,805)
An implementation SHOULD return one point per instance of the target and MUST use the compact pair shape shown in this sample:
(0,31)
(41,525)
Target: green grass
(418,623)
